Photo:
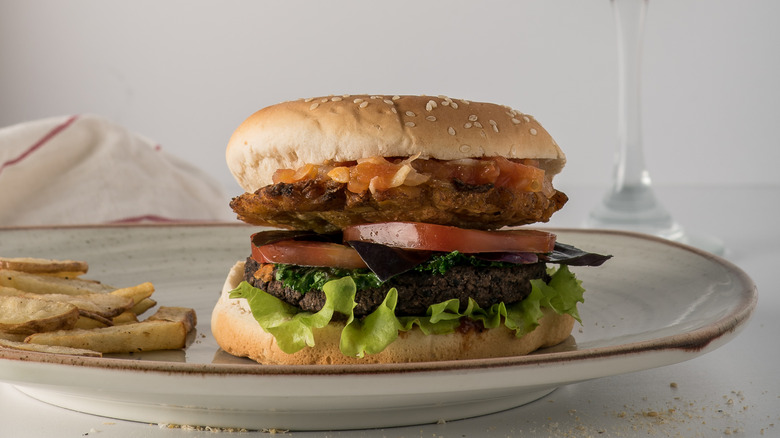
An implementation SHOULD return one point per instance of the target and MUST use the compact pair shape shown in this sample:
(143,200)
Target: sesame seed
(409,124)
(324,99)
(430,105)
(492,122)
(376,97)
(465,102)
(477,124)
(410,113)
(388,101)
(346,95)
(533,131)
(395,111)
(396,97)
(445,102)
(527,120)
(454,105)
(464,148)
(358,100)
(314,106)
(515,121)
(495,128)
(467,125)
(430,118)
(451,130)
(363,104)
(308,99)
(473,118)
(336,99)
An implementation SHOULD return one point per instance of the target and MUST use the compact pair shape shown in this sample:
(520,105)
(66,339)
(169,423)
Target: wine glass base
(704,242)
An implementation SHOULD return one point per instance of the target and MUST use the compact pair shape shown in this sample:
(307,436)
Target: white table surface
(733,391)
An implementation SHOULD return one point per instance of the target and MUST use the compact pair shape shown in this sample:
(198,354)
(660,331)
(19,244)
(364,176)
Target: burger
(394,229)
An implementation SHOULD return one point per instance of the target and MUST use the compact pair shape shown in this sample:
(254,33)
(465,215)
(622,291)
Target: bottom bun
(237,332)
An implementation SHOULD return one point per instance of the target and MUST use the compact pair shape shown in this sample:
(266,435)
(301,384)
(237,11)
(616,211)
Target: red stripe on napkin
(51,134)
(144,218)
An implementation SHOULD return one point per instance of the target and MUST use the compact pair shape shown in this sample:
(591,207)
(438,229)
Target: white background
(186,73)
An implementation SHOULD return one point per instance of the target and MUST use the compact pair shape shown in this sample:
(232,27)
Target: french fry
(44,307)
(19,315)
(184,315)
(23,346)
(47,284)
(95,321)
(102,305)
(88,322)
(62,268)
(128,338)
(12,336)
(143,306)
(128,317)
(136,293)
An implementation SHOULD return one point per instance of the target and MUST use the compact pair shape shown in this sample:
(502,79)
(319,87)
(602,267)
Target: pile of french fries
(47,306)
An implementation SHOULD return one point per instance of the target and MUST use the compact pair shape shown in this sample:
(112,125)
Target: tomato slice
(414,235)
(306,253)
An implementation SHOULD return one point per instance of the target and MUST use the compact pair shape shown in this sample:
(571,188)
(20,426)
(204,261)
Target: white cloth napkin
(88,170)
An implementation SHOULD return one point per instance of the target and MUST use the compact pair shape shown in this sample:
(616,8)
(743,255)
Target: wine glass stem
(631,203)
(630,170)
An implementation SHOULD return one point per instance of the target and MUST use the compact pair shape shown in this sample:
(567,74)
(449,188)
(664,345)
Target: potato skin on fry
(128,338)
(102,305)
(52,349)
(44,266)
(24,316)
(184,315)
(48,284)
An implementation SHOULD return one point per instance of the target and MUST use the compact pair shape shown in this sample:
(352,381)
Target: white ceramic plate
(655,303)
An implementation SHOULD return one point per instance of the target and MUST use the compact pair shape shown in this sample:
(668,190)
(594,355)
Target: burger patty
(416,290)
(324,205)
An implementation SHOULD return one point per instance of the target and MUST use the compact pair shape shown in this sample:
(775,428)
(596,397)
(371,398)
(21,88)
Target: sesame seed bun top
(346,128)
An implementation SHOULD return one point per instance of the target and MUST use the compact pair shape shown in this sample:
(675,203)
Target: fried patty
(417,290)
(324,205)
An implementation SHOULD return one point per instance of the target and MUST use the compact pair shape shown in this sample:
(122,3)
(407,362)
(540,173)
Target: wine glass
(631,203)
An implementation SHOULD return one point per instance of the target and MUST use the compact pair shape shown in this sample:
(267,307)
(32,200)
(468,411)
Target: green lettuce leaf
(294,329)
(375,332)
